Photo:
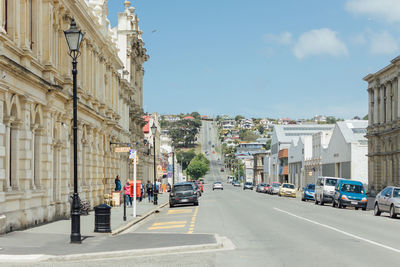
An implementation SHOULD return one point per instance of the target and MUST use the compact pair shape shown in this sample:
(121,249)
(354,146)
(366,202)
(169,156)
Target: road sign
(132,153)
(121,149)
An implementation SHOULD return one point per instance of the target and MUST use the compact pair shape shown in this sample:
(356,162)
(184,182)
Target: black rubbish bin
(102,218)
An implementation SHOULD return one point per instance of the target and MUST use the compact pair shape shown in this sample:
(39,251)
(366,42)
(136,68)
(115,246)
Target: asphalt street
(266,230)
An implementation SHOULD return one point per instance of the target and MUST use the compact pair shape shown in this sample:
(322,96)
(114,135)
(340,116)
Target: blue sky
(264,58)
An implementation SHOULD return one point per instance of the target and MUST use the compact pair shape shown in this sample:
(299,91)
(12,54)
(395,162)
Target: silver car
(388,200)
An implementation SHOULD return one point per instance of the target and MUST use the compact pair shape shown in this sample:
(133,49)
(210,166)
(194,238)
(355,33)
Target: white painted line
(341,231)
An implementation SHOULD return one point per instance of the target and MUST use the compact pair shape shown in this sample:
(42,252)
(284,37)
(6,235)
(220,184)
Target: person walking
(149,188)
(117,183)
(127,190)
(141,192)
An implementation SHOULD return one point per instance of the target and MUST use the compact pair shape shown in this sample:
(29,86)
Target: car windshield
(262,184)
(276,185)
(353,188)
(396,192)
(248,183)
(311,186)
(184,187)
(217,183)
(331,182)
(288,186)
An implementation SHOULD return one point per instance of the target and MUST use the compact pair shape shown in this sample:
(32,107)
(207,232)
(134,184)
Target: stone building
(36,146)
(383,132)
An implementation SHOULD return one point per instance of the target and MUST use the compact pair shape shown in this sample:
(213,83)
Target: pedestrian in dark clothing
(117,184)
(149,188)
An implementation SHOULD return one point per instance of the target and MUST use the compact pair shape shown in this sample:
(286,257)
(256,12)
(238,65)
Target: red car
(222,169)
(266,188)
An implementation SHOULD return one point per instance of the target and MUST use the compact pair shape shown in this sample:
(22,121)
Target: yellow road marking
(166,223)
(166,227)
(179,211)
(193,221)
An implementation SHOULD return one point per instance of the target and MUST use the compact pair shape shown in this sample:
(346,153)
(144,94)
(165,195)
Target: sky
(264,58)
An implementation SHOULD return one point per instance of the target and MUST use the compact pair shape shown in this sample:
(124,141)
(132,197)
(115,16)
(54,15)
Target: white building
(299,150)
(346,155)
(282,137)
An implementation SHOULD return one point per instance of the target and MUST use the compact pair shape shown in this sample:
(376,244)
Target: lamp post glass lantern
(154,131)
(74,38)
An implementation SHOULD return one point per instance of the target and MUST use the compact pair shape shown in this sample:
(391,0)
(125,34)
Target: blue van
(350,193)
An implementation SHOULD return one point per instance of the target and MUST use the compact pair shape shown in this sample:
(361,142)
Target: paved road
(270,231)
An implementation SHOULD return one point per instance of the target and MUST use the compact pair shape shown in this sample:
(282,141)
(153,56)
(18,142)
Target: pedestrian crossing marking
(166,227)
(166,223)
(179,211)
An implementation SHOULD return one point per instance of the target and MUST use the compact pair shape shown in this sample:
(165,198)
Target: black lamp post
(154,131)
(173,166)
(74,38)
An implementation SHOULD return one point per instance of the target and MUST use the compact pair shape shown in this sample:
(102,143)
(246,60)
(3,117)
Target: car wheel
(340,205)
(333,203)
(315,200)
(170,205)
(377,212)
(364,208)
(356,208)
(392,212)
(321,201)
(213,189)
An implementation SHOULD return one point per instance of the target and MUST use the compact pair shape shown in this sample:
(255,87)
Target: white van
(230,179)
(325,189)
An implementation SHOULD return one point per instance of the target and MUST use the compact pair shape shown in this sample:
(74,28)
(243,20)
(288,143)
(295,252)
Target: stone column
(397,93)
(388,102)
(376,104)
(381,104)
(394,100)
(370,106)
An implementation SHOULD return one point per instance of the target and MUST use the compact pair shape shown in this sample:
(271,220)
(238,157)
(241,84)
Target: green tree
(238,118)
(246,135)
(261,129)
(268,144)
(184,157)
(196,115)
(198,167)
(365,117)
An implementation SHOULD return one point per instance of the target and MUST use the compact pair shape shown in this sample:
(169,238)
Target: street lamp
(173,165)
(74,38)
(154,131)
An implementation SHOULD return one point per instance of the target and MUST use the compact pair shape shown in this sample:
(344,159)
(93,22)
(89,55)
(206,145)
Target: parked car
(218,185)
(196,187)
(267,188)
(287,189)
(248,185)
(349,193)
(183,193)
(236,183)
(222,169)
(230,179)
(388,200)
(325,189)
(260,187)
(274,188)
(308,192)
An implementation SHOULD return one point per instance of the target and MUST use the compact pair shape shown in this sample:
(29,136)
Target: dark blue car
(308,192)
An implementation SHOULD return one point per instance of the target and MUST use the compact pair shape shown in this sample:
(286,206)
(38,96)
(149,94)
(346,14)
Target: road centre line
(340,231)
(166,223)
(166,227)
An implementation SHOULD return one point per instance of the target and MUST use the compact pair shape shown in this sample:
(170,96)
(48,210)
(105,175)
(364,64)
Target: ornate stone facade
(36,157)
(384,127)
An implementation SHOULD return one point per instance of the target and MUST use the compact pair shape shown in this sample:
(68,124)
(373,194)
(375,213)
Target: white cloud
(388,10)
(283,38)
(382,43)
(319,42)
